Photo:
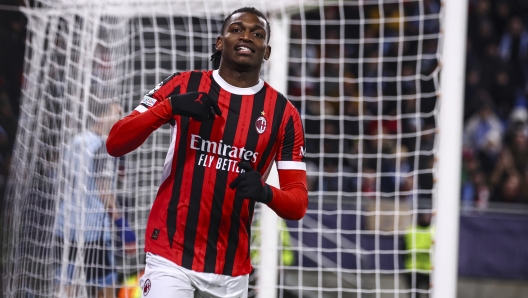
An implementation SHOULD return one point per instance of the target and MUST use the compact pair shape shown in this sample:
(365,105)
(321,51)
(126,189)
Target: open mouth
(243,50)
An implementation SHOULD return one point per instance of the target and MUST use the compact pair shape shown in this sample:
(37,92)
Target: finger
(235,182)
(216,108)
(245,166)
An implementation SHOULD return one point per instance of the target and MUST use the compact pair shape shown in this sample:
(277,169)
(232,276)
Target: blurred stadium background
(493,258)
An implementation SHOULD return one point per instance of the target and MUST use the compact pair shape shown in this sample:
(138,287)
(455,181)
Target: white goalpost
(451,123)
(377,83)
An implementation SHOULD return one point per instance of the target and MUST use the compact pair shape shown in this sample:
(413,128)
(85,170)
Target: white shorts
(164,278)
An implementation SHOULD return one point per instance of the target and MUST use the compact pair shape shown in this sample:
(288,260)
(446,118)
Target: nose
(246,36)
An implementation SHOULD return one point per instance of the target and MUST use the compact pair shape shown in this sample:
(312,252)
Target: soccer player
(87,209)
(228,126)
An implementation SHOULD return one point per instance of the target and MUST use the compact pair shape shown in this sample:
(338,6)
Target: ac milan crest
(261,124)
(146,287)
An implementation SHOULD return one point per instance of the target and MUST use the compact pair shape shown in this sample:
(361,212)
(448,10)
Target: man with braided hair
(227,128)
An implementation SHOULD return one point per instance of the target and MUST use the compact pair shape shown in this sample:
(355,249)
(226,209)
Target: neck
(241,79)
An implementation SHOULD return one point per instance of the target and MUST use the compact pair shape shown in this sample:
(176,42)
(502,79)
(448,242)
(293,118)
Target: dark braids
(217,55)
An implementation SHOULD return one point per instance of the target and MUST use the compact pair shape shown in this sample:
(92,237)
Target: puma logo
(198,99)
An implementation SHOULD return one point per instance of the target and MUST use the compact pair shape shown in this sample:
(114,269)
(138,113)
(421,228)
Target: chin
(242,67)
(246,65)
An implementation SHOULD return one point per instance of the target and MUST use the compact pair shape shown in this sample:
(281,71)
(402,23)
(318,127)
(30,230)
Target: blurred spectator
(514,49)
(483,133)
(510,190)
(475,187)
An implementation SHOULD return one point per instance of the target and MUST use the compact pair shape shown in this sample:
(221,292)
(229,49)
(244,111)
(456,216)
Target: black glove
(197,105)
(250,185)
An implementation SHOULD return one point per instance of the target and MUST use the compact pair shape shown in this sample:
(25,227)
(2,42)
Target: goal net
(364,75)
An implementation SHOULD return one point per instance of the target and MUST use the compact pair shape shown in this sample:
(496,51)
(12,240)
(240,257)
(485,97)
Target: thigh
(160,282)
(99,264)
(219,286)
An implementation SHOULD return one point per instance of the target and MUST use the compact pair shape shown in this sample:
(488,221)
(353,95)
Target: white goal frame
(447,200)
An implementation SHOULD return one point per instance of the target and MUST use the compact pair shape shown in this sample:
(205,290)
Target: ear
(219,43)
(267,53)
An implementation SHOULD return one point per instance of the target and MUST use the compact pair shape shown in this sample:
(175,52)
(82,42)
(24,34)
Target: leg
(211,285)
(163,281)
(105,293)
(422,282)
(411,283)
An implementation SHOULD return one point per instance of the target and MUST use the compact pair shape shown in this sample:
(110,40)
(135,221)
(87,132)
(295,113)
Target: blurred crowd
(393,154)
(495,155)
(378,126)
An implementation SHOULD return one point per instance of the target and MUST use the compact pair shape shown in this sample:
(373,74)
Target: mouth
(244,49)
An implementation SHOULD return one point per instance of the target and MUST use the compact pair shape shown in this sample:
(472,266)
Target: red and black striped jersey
(196,221)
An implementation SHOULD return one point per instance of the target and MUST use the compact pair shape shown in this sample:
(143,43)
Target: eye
(260,35)
(236,30)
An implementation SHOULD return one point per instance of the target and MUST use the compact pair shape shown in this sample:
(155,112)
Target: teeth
(242,49)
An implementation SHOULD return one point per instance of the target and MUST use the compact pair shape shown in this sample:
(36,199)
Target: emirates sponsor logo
(261,124)
(220,155)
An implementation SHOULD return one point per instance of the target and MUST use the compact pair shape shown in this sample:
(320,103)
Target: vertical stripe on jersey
(288,141)
(220,187)
(279,109)
(183,127)
(197,185)
(251,209)
(248,134)
(202,229)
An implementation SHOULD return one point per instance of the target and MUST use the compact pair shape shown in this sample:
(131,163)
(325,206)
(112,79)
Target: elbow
(298,215)
(290,203)
(298,212)
(112,148)
(302,211)
(112,152)
(114,144)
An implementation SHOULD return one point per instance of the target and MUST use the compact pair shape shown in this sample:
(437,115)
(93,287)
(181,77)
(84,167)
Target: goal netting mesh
(364,75)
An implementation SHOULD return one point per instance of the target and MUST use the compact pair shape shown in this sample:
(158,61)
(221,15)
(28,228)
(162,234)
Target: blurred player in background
(418,240)
(87,209)
(227,127)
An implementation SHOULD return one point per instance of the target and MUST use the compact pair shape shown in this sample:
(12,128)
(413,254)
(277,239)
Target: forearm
(291,201)
(130,132)
(107,196)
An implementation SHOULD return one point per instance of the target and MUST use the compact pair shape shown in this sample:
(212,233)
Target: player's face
(244,43)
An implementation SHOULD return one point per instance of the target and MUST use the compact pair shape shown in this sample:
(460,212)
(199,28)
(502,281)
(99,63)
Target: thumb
(244,165)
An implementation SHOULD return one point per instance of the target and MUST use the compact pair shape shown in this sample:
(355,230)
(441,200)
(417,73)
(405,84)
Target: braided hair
(217,55)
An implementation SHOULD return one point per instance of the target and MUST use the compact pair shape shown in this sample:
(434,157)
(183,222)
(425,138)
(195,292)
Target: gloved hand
(250,185)
(197,105)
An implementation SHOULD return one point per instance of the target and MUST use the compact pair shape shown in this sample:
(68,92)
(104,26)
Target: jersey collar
(237,90)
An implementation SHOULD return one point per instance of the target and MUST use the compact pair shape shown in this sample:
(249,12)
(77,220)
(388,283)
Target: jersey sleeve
(166,88)
(291,151)
(291,200)
(153,111)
